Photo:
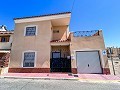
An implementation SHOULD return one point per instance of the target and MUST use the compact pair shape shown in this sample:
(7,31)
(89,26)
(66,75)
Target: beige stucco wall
(63,32)
(39,43)
(65,50)
(87,44)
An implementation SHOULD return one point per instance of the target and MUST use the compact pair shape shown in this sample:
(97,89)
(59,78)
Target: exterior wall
(63,33)
(39,43)
(65,50)
(62,48)
(87,44)
(6,45)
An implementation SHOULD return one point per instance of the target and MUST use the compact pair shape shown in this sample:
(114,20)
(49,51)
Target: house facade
(44,44)
(5,47)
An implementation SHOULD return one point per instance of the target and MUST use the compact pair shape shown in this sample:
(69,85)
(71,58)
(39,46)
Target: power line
(73,6)
(72,9)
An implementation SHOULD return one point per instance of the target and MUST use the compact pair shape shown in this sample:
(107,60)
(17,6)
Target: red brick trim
(46,70)
(74,70)
(106,71)
(29,70)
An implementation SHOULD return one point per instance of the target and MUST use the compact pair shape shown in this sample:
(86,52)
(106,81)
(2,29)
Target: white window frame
(23,58)
(31,26)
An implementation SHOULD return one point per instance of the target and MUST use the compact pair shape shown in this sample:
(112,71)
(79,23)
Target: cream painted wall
(39,43)
(63,33)
(87,44)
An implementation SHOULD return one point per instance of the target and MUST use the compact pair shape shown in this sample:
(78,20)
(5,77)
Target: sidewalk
(61,76)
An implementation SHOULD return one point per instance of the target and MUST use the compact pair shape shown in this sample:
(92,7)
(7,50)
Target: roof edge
(44,15)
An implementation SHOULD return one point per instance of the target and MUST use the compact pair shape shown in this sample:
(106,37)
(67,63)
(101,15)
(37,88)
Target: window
(5,39)
(29,58)
(30,31)
(55,31)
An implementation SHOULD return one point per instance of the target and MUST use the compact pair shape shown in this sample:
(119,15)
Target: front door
(59,64)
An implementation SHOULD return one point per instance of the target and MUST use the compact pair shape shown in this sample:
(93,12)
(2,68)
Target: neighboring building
(5,47)
(113,55)
(114,52)
(44,44)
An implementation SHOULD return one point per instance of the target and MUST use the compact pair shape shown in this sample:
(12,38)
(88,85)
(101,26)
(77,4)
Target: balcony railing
(86,33)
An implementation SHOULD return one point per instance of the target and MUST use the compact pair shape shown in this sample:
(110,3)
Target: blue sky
(86,15)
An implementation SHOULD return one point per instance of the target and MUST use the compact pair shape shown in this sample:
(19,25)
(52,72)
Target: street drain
(75,75)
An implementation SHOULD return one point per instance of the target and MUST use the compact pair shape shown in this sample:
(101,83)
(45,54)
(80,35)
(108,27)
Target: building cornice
(42,17)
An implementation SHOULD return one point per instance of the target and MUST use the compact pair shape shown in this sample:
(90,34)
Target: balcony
(5,45)
(86,33)
(60,42)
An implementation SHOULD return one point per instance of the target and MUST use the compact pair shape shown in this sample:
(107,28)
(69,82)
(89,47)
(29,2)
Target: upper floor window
(5,39)
(30,31)
(29,58)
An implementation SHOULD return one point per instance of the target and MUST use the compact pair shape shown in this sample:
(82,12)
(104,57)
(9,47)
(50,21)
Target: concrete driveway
(38,84)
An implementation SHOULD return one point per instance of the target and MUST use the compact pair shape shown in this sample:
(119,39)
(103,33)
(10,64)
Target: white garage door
(88,62)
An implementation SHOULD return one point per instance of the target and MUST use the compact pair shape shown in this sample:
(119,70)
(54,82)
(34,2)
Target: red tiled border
(106,71)
(74,70)
(29,70)
(46,70)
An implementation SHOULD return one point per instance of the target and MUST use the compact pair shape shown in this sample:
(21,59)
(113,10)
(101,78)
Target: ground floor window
(29,58)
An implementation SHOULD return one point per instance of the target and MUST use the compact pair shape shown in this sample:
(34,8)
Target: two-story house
(5,47)
(44,44)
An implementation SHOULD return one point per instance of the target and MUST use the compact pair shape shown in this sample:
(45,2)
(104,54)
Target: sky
(86,14)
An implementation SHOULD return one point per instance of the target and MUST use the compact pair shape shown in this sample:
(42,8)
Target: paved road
(30,84)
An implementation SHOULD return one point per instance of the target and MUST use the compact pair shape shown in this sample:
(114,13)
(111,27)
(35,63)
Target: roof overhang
(60,21)
(56,19)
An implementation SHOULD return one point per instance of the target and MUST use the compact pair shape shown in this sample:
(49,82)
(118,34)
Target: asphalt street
(38,84)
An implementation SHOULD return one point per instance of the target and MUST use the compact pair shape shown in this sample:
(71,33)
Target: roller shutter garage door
(88,62)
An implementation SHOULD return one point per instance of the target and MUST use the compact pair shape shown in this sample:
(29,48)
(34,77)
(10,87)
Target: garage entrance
(88,62)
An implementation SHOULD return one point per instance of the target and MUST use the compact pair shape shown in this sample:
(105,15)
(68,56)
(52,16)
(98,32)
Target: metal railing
(86,33)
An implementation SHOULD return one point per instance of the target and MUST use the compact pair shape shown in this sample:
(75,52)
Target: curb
(43,78)
(99,81)
(72,79)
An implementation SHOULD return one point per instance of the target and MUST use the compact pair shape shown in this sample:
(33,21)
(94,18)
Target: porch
(60,59)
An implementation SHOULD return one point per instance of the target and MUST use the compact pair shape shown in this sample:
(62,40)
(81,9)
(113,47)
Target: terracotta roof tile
(42,15)
(6,32)
(67,40)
